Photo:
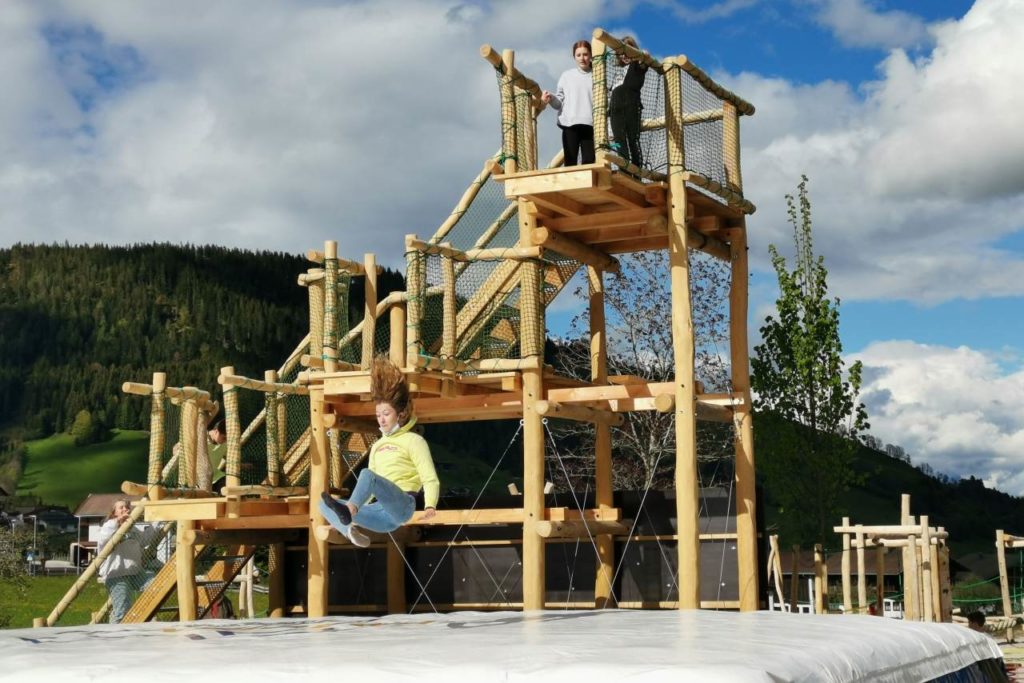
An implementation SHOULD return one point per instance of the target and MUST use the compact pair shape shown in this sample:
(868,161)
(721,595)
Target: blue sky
(276,125)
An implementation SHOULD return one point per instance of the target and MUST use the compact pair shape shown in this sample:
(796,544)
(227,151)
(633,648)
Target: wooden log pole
(686,480)
(315,294)
(449,306)
(599,75)
(820,585)
(331,312)
(936,583)
(743,436)
(911,590)
(396,320)
(185,559)
(275,593)
(731,146)
(927,609)
(187,465)
(273,428)
(369,310)
(603,487)
(880,580)
(531,313)
(396,576)
(467,198)
(414,276)
(1004,581)
(233,458)
(794,580)
(944,584)
(157,435)
(509,121)
(862,578)
(845,564)
(316,559)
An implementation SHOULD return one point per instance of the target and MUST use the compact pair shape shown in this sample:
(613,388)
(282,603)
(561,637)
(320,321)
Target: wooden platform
(613,212)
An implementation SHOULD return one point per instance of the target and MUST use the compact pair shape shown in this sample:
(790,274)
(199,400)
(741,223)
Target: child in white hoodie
(573,99)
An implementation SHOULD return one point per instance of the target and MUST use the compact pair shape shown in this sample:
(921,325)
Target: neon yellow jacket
(403,458)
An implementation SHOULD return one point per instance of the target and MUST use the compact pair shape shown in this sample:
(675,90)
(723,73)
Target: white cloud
(256,124)
(717,10)
(956,409)
(857,23)
(914,177)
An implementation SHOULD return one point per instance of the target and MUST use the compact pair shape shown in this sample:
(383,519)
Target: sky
(276,125)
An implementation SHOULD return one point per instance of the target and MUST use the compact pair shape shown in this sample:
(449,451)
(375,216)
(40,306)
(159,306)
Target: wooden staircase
(211,587)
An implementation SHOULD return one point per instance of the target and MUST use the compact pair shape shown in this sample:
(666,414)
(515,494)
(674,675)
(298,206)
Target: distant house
(56,519)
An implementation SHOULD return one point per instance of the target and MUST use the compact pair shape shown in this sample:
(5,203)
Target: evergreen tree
(803,395)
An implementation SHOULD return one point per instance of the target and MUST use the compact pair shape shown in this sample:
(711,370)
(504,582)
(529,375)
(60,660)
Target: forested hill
(76,322)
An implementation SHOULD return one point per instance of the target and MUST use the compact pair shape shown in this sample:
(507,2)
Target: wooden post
(331,312)
(936,582)
(315,293)
(794,580)
(603,489)
(862,579)
(275,565)
(272,428)
(187,462)
(731,146)
(509,121)
(396,577)
(946,594)
(185,558)
(414,274)
(911,604)
(1004,581)
(847,586)
(928,611)
(880,580)
(820,584)
(687,494)
(743,438)
(317,565)
(448,316)
(157,434)
(396,351)
(599,74)
(532,345)
(233,459)
(369,310)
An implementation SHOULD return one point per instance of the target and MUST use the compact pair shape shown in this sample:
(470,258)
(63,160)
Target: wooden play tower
(469,333)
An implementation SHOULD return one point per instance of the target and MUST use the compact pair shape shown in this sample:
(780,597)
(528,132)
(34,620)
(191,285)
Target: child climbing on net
(400,466)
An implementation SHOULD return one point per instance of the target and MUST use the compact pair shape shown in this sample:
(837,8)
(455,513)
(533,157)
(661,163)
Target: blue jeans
(392,508)
(123,590)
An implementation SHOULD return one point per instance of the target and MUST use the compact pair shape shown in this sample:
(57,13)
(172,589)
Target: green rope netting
(634,103)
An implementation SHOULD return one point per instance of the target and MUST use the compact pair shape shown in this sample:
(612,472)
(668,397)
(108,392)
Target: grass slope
(61,473)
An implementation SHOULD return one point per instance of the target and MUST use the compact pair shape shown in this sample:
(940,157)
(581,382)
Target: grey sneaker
(358,538)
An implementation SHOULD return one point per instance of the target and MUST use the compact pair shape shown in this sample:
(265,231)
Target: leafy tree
(803,395)
(84,430)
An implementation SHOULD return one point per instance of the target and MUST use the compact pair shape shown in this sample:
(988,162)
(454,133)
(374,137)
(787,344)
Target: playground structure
(469,334)
(1005,541)
(924,558)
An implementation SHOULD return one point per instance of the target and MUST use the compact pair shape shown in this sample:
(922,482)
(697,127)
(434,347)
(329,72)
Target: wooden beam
(569,411)
(607,219)
(559,203)
(582,529)
(557,180)
(549,239)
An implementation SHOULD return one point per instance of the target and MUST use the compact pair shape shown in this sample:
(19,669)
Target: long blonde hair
(388,385)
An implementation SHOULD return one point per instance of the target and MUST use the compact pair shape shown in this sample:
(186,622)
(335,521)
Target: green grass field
(42,595)
(44,592)
(61,473)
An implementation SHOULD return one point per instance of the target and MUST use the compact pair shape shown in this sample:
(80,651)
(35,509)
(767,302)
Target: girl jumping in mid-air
(574,101)
(400,466)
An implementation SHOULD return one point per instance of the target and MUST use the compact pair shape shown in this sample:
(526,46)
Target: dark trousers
(578,141)
(625,115)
